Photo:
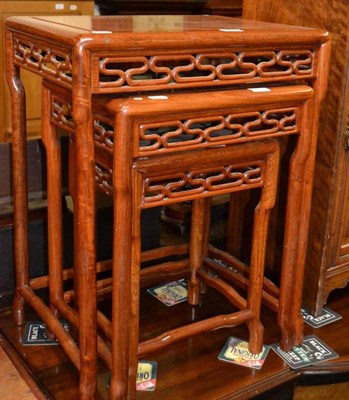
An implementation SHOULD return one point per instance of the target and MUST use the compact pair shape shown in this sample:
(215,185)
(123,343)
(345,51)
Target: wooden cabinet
(232,8)
(328,245)
(132,7)
(31,82)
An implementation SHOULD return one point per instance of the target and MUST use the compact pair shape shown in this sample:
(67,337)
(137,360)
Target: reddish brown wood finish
(135,113)
(102,55)
(190,369)
(327,255)
(14,373)
(232,8)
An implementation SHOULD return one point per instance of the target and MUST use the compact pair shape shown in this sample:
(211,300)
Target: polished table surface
(191,369)
(235,30)
(209,51)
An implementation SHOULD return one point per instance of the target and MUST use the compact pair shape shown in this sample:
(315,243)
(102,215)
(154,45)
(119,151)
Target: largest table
(135,54)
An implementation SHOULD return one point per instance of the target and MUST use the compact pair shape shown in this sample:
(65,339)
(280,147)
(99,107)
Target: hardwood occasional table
(163,149)
(137,54)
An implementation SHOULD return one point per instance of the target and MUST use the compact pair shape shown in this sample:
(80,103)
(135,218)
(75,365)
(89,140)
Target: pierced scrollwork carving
(123,73)
(185,185)
(182,186)
(219,129)
(61,113)
(48,61)
(104,179)
(195,132)
(103,130)
(201,132)
(221,68)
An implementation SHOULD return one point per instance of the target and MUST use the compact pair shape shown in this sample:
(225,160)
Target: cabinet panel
(232,8)
(327,264)
(336,250)
(132,7)
(344,239)
(30,81)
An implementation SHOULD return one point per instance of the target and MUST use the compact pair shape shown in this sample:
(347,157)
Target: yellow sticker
(146,375)
(171,293)
(144,372)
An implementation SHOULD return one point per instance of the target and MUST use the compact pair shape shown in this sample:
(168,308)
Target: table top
(185,28)
(156,52)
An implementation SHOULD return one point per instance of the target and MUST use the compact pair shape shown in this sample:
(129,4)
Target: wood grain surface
(12,385)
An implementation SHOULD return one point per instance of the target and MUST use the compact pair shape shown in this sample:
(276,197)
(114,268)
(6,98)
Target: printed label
(311,351)
(35,333)
(237,351)
(146,375)
(171,293)
(327,316)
